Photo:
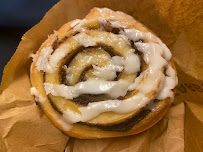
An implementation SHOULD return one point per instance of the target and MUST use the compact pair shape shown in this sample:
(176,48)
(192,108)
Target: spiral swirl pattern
(103,75)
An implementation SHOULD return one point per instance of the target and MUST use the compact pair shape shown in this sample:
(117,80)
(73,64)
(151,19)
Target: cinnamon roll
(104,76)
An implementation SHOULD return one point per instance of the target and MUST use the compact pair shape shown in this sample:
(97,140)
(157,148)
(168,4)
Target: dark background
(16,17)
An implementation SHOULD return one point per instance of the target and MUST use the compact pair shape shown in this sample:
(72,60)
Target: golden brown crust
(83,131)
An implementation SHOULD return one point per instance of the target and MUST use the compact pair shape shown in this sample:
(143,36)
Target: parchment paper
(24,127)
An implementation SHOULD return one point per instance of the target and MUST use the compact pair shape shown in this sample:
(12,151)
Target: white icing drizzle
(136,35)
(132,63)
(106,73)
(171,81)
(78,26)
(109,72)
(92,86)
(156,55)
(115,24)
(133,34)
(69,75)
(124,106)
(43,60)
(57,56)
(117,60)
(35,93)
(152,55)
(85,40)
(102,21)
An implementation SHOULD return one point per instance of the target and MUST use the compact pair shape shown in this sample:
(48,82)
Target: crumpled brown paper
(24,127)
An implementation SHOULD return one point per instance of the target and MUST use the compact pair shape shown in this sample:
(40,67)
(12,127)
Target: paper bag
(24,127)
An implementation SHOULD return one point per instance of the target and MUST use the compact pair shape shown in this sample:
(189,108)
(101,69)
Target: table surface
(16,17)
(9,40)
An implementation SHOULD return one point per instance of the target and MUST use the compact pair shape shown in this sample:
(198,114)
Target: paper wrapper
(24,127)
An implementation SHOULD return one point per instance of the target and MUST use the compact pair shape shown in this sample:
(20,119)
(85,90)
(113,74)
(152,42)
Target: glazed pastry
(104,76)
